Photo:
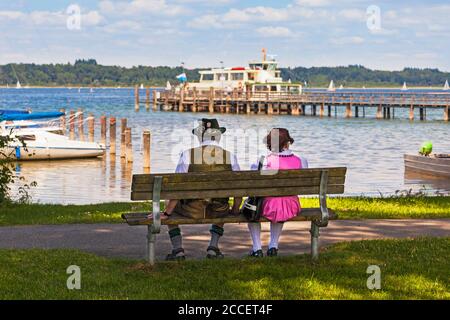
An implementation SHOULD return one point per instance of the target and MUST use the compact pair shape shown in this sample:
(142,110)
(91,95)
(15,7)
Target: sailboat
(168,86)
(404,88)
(331,86)
(91,90)
(142,86)
(341,87)
(446,87)
(18,85)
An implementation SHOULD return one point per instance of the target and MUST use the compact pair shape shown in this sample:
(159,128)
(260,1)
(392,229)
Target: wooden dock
(322,104)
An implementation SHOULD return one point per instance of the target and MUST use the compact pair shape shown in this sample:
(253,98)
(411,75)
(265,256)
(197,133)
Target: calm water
(371,149)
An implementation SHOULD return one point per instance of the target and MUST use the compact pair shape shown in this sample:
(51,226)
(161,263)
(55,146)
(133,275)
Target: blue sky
(203,32)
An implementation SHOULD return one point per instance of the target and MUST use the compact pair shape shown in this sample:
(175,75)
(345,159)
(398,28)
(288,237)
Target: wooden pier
(321,104)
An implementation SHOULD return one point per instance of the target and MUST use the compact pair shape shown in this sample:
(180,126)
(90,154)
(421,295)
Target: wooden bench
(223,184)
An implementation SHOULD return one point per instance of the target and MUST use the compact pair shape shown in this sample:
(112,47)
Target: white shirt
(185,159)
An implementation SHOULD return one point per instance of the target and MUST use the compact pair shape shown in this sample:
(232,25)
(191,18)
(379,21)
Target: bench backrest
(239,184)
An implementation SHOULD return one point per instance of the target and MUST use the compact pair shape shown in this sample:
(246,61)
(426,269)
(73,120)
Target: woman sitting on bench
(277,209)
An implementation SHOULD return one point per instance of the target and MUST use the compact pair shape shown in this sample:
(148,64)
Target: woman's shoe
(256,254)
(176,255)
(272,252)
(214,253)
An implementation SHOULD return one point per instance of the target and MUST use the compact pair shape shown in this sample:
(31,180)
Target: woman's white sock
(275,233)
(255,232)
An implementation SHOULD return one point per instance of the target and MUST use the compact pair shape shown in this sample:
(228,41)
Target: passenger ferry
(258,76)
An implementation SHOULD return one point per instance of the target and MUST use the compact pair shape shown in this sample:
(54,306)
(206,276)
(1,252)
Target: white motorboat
(25,124)
(44,145)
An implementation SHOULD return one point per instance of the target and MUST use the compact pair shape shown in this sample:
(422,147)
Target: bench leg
(151,238)
(314,241)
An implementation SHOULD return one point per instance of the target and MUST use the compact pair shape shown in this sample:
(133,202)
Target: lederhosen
(209,158)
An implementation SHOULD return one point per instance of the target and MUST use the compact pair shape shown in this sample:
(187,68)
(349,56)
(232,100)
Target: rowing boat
(435,165)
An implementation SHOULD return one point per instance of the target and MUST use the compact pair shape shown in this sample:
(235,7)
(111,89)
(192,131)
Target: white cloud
(269,32)
(11,15)
(138,7)
(313,3)
(347,40)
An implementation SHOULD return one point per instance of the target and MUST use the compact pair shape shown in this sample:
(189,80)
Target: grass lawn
(410,269)
(347,208)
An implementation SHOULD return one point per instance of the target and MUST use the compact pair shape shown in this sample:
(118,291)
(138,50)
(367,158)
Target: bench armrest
(156,202)
(323,199)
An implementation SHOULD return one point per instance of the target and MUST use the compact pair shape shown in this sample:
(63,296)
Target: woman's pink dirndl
(280,209)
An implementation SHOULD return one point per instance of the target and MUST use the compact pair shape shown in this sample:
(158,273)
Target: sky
(378,34)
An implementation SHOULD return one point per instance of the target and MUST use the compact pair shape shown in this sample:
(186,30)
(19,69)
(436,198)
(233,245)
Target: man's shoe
(214,253)
(272,252)
(176,255)
(256,254)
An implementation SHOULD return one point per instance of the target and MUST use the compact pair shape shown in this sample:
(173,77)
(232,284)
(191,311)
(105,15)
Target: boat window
(28,137)
(208,77)
(222,77)
(251,76)
(237,76)
(273,88)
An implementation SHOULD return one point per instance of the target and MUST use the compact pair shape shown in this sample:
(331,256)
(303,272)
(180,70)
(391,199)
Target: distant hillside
(88,72)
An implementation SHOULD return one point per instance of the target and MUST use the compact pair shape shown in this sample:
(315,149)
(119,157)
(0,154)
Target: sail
(331,86)
(404,88)
(168,86)
(142,86)
(446,87)
(18,86)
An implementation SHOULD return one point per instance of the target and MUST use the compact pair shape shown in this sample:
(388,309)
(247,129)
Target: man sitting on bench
(208,157)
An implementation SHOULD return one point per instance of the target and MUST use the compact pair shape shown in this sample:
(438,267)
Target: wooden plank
(238,175)
(225,193)
(140,218)
(238,184)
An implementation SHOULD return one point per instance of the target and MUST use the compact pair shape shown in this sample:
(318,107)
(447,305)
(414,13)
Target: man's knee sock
(216,233)
(175,238)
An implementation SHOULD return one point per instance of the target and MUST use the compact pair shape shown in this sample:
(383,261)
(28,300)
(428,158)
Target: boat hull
(433,166)
(42,153)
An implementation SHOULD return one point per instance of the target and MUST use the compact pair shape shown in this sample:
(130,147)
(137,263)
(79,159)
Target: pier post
(136,97)
(91,127)
(379,112)
(155,99)
(129,143)
(147,99)
(80,125)
(247,107)
(181,100)
(295,109)
(388,112)
(411,113)
(356,112)
(269,108)
(303,110)
(446,113)
(194,100)
(123,127)
(62,121)
(422,115)
(72,124)
(103,130)
(348,111)
(146,138)
(112,135)
(211,100)
(329,110)
(322,110)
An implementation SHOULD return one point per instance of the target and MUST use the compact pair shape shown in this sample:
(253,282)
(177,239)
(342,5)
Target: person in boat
(208,157)
(277,209)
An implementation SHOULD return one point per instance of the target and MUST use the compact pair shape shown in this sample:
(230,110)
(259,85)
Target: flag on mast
(182,77)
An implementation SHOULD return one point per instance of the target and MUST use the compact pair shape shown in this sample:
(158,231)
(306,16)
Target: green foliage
(7,176)
(88,72)
(410,269)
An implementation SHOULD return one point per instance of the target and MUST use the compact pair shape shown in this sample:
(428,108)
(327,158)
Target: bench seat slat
(140,218)
(239,175)
(225,193)
(238,184)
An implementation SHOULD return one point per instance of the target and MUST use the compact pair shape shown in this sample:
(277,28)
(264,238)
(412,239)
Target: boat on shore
(437,165)
(44,145)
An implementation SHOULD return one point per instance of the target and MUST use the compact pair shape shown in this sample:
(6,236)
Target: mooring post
(155,99)
(136,97)
(62,121)
(194,99)
(348,111)
(91,127)
(322,110)
(129,143)
(329,110)
(211,100)
(181,100)
(147,99)
(146,138)
(247,107)
(303,110)
(80,125)
(103,130)
(422,115)
(356,112)
(123,127)
(72,124)
(379,112)
(112,135)
(446,113)
(269,108)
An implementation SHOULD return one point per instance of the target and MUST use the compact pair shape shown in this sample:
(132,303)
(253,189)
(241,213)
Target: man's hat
(208,124)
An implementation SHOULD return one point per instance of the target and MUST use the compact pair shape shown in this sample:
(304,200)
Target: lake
(371,149)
